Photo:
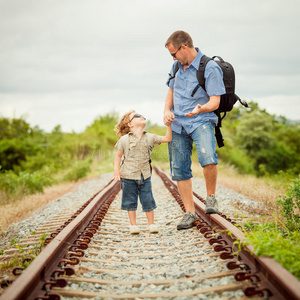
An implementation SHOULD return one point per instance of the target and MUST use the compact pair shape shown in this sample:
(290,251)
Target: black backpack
(227,100)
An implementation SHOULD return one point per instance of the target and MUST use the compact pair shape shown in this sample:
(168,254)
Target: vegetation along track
(93,255)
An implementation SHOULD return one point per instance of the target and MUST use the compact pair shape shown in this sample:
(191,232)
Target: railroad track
(93,256)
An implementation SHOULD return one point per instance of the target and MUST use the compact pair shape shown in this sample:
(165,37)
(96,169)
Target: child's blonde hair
(122,127)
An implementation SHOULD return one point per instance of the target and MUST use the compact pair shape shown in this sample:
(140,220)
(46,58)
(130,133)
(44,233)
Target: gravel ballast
(84,191)
(177,265)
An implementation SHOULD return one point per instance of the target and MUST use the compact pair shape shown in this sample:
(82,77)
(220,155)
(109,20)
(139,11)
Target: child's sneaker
(134,229)
(153,228)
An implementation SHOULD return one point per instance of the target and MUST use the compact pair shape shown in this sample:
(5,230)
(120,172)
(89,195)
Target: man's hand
(168,118)
(194,112)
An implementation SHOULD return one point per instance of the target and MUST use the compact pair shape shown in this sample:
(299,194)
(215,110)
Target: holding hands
(168,118)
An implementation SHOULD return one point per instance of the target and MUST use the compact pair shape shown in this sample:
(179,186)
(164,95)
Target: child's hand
(117,176)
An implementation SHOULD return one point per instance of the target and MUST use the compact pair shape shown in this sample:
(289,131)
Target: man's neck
(192,56)
(192,53)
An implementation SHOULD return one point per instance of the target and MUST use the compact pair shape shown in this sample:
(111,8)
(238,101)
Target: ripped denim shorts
(180,150)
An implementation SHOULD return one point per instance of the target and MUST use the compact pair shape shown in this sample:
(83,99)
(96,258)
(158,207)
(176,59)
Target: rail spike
(254,290)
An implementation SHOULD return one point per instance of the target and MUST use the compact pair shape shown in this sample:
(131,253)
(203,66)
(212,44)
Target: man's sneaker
(211,205)
(187,221)
(153,228)
(134,229)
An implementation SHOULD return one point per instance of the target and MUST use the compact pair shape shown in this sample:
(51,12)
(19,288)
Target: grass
(22,257)
(20,207)
(18,210)
(271,238)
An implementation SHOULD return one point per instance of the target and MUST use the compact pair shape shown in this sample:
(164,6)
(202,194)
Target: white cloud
(66,62)
(76,110)
(281,105)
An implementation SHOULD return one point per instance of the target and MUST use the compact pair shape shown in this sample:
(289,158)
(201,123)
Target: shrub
(14,186)
(237,158)
(79,170)
(290,206)
(283,246)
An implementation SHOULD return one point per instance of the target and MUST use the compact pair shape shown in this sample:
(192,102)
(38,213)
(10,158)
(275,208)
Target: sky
(67,62)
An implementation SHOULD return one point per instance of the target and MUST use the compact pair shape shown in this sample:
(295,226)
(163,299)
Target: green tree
(14,128)
(254,132)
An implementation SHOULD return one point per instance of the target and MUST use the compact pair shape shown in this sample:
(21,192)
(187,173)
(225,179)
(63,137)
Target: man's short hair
(179,38)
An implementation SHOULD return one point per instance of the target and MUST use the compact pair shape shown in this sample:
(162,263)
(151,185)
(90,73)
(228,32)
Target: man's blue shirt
(183,85)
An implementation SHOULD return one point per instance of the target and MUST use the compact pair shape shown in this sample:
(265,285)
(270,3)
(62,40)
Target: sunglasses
(136,116)
(174,54)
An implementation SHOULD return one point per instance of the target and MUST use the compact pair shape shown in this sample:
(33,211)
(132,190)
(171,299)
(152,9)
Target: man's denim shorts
(180,150)
(132,189)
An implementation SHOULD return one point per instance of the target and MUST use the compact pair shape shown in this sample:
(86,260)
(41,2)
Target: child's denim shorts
(181,146)
(132,189)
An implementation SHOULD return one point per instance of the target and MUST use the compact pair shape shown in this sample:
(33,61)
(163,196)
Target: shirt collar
(130,132)
(195,63)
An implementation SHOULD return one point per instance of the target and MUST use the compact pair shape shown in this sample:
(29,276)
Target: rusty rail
(67,244)
(47,268)
(269,279)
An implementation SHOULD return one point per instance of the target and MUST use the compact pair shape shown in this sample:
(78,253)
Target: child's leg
(151,226)
(150,217)
(132,217)
(147,199)
(129,198)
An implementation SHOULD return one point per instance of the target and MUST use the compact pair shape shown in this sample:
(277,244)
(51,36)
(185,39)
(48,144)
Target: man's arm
(168,137)
(168,115)
(211,105)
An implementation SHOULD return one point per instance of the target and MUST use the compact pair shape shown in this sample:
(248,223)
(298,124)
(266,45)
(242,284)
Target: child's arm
(168,137)
(118,158)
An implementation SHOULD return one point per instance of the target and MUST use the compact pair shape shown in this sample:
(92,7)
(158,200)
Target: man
(193,120)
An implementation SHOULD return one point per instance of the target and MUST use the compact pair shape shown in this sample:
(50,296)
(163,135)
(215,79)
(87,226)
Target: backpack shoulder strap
(200,74)
(201,79)
(219,137)
(176,68)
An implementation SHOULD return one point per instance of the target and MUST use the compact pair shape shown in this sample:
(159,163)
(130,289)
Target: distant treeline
(255,143)
(259,143)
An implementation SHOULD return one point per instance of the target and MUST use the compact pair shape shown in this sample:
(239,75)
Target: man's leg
(186,193)
(180,151)
(185,190)
(205,142)
(210,173)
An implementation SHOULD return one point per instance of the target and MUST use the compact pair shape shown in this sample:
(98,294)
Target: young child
(135,146)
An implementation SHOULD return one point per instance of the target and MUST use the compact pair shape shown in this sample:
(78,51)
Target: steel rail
(269,279)
(45,270)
